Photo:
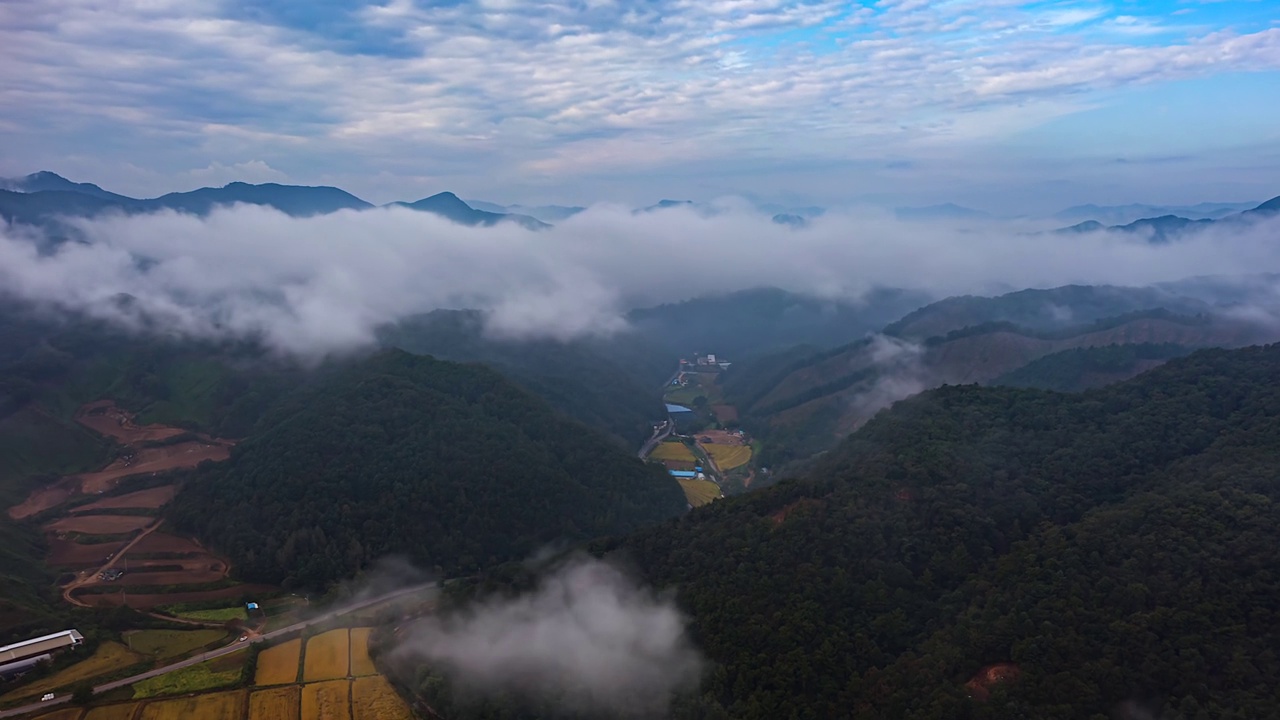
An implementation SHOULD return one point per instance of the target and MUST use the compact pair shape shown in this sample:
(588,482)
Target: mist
(316,285)
(589,640)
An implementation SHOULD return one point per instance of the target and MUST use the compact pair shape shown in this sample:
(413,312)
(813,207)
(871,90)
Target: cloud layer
(321,284)
(588,640)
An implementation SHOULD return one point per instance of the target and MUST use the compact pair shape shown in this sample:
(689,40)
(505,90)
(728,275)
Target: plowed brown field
(149,498)
(100,524)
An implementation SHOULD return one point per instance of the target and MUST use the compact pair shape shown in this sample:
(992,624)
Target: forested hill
(1119,547)
(449,464)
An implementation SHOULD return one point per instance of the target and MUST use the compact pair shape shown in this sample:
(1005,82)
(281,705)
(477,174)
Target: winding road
(234,646)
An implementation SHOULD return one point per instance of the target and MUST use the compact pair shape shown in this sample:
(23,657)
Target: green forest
(1119,548)
(450,465)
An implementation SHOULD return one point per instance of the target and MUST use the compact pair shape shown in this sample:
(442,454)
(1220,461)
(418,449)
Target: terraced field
(283,703)
(373,698)
(361,663)
(699,492)
(327,657)
(210,706)
(728,457)
(327,700)
(673,451)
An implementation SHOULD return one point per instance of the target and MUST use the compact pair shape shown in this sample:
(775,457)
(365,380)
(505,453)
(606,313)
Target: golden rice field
(278,665)
(373,698)
(110,657)
(699,492)
(361,663)
(728,457)
(282,703)
(327,657)
(211,706)
(123,711)
(673,451)
(327,700)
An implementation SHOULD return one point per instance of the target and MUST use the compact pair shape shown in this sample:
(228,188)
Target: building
(21,667)
(40,646)
(683,474)
(678,408)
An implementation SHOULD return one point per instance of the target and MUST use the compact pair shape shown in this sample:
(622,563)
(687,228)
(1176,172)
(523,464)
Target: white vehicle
(243,638)
(47,697)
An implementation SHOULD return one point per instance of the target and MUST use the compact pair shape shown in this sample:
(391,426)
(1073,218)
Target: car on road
(47,697)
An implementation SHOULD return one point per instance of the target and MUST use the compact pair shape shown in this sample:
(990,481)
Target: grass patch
(673,451)
(217,673)
(165,644)
(699,492)
(215,615)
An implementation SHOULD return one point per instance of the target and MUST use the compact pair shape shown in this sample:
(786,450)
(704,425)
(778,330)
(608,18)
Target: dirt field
(719,437)
(373,698)
(699,492)
(104,418)
(327,700)
(361,664)
(100,524)
(678,465)
(282,703)
(212,706)
(988,677)
(159,542)
(327,656)
(279,665)
(151,498)
(124,711)
(153,460)
(146,602)
(42,499)
(673,451)
(200,570)
(109,657)
(65,553)
(725,413)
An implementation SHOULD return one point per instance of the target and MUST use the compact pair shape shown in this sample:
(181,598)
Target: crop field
(214,615)
(110,657)
(361,664)
(64,714)
(279,665)
(217,673)
(149,498)
(327,700)
(123,711)
(140,601)
(282,703)
(699,492)
(728,457)
(100,524)
(211,706)
(171,643)
(327,657)
(673,451)
(373,698)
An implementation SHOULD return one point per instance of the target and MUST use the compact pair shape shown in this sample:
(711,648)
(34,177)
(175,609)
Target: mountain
(45,181)
(295,200)
(946,211)
(545,213)
(1169,228)
(450,465)
(1124,214)
(450,206)
(980,552)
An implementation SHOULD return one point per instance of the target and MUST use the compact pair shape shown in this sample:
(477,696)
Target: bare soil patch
(980,685)
(150,498)
(725,413)
(104,418)
(146,602)
(99,524)
(159,542)
(44,498)
(154,460)
(207,569)
(65,553)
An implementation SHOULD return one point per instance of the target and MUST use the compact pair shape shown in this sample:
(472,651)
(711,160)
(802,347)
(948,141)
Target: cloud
(252,171)
(309,286)
(588,639)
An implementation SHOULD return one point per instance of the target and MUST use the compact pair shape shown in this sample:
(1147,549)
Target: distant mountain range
(43,197)
(544,213)
(1167,228)
(1125,214)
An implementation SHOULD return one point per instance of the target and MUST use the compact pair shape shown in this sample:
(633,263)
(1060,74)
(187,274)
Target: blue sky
(998,104)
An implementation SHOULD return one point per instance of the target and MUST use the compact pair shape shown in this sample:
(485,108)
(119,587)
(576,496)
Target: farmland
(327,700)
(109,657)
(673,451)
(361,664)
(327,656)
(212,706)
(66,714)
(150,498)
(282,703)
(728,457)
(99,524)
(216,673)
(373,698)
(279,665)
(123,711)
(699,492)
(215,615)
(163,644)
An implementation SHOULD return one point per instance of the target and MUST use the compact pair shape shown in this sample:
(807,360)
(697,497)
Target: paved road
(658,436)
(225,650)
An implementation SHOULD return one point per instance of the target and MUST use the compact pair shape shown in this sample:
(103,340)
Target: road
(225,650)
(659,435)
(87,576)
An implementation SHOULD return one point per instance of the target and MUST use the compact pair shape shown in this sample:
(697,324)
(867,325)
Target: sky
(1003,105)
